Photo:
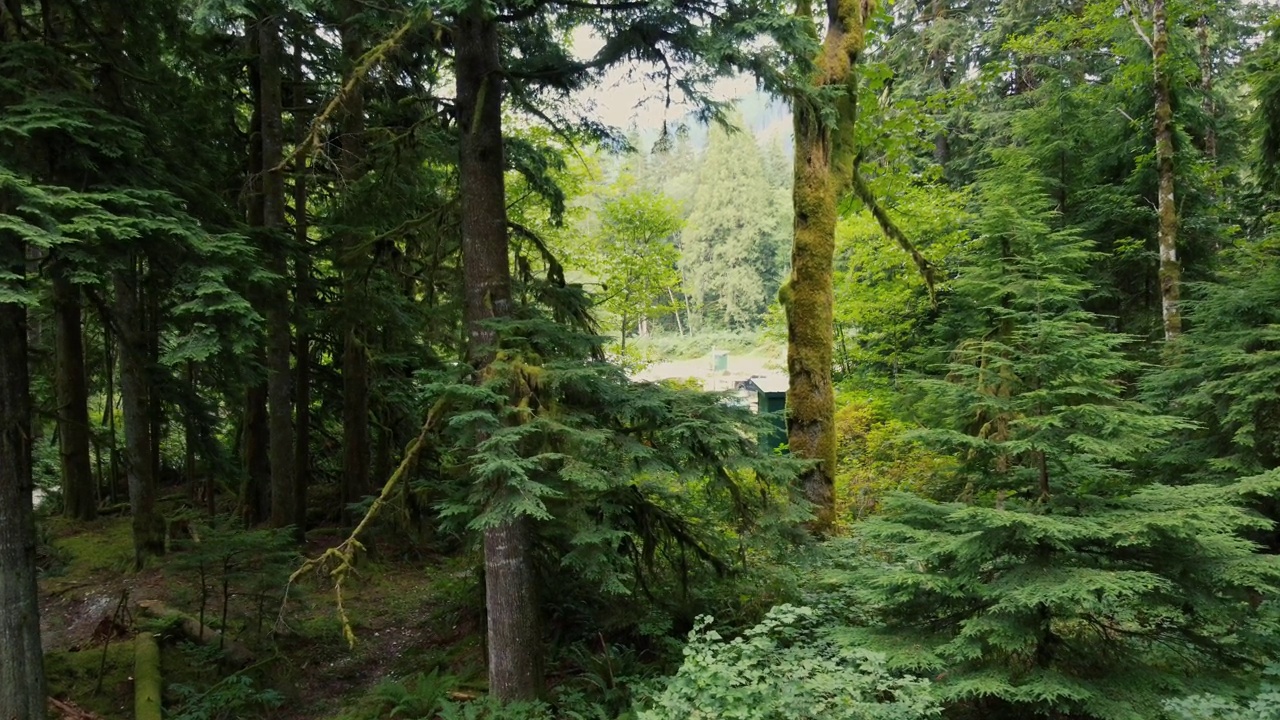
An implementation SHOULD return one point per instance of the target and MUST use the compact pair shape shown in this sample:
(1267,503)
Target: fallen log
(193,630)
(147,686)
(67,710)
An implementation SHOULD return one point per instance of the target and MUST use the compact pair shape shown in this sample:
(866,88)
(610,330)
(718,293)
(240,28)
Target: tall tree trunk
(284,493)
(1167,233)
(22,682)
(149,302)
(109,412)
(514,638)
(148,525)
(1206,87)
(255,498)
(79,490)
(355,358)
(302,303)
(823,173)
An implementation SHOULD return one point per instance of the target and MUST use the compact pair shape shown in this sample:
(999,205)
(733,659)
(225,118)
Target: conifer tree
(732,244)
(1058,583)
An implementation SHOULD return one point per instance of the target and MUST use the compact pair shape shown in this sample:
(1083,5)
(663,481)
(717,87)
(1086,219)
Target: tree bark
(79,490)
(255,498)
(302,303)
(148,525)
(823,173)
(355,359)
(22,681)
(1206,87)
(284,493)
(514,637)
(1167,232)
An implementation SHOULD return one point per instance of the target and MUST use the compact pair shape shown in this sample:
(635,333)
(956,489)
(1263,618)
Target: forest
(356,362)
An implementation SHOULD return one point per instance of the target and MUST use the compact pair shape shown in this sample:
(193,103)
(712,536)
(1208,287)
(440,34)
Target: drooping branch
(339,560)
(366,63)
(895,233)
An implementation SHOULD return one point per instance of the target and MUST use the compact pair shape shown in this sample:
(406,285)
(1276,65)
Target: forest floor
(410,615)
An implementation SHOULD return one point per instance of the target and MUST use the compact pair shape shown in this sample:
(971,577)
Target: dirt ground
(741,367)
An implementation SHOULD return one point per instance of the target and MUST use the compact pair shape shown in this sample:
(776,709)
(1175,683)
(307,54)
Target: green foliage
(635,259)
(876,459)
(785,668)
(1221,373)
(1033,401)
(1262,705)
(734,248)
(230,563)
(1058,583)
(417,698)
(1095,607)
(623,477)
(229,698)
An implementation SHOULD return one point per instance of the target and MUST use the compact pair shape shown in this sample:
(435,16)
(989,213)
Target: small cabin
(771,400)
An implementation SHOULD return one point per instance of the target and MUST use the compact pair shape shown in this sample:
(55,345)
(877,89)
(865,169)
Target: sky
(625,98)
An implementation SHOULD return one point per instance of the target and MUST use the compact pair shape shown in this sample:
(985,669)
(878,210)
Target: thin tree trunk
(256,495)
(284,493)
(1167,233)
(149,303)
(823,173)
(79,490)
(148,525)
(190,434)
(355,359)
(109,413)
(514,638)
(302,268)
(676,306)
(1206,87)
(22,681)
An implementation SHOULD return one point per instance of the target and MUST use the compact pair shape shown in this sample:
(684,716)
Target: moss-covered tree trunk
(355,359)
(823,173)
(1167,232)
(514,639)
(79,491)
(22,687)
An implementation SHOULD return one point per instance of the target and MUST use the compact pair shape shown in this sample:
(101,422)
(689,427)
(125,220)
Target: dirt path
(740,368)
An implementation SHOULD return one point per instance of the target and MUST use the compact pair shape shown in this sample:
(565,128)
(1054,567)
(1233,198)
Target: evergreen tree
(1059,584)
(732,244)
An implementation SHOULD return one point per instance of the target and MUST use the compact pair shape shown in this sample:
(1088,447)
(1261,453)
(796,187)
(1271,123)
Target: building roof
(768,384)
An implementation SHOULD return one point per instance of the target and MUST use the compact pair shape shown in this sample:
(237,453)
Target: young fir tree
(1058,585)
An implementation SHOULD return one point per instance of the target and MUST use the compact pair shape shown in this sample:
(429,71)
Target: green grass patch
(105,545)
(74,676)
(688,347)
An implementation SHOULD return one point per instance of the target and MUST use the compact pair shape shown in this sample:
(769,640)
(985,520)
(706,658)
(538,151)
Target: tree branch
(893,232)
(1137,25)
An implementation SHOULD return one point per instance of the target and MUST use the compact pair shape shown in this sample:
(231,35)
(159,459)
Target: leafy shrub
(416,698)
(1265,705)
(234,697)
(785,668)
(875,459)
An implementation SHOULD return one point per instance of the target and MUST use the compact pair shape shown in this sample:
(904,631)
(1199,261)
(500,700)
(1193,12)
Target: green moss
(105,545)
(74,676)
